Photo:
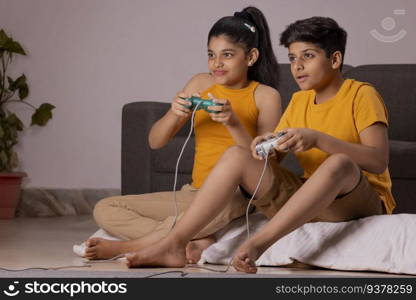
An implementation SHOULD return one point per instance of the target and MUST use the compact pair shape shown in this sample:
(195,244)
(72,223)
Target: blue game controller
(203,104)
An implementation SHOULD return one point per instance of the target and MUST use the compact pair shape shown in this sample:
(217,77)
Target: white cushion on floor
(384,243)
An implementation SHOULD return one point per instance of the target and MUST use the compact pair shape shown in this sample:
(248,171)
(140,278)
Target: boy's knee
(340,164)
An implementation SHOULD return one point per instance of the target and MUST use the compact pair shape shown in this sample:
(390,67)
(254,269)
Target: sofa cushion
(402,162)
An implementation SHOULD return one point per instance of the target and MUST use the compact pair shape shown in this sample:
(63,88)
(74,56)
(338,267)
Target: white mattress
(384,243)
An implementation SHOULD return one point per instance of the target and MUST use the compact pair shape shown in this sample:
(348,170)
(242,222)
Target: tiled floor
(47,242)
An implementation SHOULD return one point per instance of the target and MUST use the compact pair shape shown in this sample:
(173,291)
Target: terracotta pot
(9,193)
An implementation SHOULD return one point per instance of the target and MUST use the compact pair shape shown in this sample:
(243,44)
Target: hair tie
(245,17)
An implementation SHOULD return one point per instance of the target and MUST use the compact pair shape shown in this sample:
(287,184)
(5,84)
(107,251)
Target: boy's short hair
(321,31)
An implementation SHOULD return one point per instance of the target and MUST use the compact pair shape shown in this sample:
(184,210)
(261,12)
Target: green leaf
(9,45)
(11,137)
(18,83)
(3,38)
(10,80)
(23,91)
(42,115)
(15,122)
(13,47)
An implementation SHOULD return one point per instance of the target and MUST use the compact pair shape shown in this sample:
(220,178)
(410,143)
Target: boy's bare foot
(161,254)
(99,248)
(194,248)
(245,258)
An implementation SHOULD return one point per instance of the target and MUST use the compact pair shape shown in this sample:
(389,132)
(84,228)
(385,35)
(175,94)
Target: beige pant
(134,216)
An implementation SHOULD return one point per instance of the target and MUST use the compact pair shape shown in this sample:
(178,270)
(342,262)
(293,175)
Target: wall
(90,57)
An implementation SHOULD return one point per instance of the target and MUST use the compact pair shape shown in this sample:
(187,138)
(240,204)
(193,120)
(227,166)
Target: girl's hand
(224,113)
(297,140)
(258,140)
(180,106)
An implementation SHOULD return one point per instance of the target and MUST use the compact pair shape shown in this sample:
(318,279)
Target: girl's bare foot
(161,254)
(245,258)
(99,248)
(194,248)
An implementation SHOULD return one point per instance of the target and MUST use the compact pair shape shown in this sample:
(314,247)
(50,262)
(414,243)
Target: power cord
(84,265)
(177,164)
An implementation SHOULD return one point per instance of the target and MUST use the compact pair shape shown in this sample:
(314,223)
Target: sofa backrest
(397,85)
(144,170)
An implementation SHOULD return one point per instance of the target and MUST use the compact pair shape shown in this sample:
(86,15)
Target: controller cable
(84,265)
(177,164)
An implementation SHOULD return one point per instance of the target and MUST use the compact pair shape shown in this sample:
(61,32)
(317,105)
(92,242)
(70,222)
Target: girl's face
(227,63)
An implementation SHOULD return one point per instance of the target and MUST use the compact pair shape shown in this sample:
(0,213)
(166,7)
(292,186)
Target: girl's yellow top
(212,138)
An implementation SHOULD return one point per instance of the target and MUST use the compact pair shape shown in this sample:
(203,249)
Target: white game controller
(264,148)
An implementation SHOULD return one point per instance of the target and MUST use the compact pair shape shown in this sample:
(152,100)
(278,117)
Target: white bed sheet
(385,243)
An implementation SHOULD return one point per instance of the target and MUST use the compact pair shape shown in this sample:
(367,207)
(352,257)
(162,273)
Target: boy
(338,131)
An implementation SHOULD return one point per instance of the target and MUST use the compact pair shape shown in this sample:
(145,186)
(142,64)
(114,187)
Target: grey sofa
(145,170)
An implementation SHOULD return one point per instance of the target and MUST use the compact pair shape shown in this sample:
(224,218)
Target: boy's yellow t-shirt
(212,138)
(356,106)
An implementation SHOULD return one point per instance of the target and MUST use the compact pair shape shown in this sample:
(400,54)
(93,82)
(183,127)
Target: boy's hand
(298,140)
(259,139)
(179,106)
(224,113)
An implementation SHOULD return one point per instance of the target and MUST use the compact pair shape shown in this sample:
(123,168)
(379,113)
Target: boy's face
(310,67)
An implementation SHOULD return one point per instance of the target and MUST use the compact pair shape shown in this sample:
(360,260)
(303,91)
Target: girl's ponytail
(266,69)
(249,28)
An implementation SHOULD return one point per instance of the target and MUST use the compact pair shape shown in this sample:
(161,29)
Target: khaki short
(344,208)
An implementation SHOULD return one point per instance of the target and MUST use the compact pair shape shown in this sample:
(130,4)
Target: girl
(242,77)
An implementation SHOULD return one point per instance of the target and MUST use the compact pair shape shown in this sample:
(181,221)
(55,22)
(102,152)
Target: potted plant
(13,91)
